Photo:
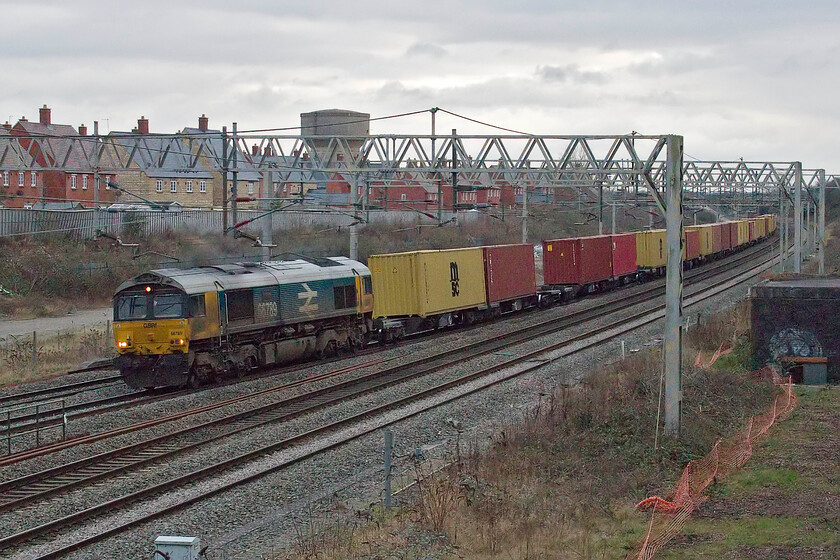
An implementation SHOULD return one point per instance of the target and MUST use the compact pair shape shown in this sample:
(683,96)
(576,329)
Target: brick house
(169,180)
(20,187)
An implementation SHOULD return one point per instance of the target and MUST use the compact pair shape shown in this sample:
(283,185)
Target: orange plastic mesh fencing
(699,362)
(668,516)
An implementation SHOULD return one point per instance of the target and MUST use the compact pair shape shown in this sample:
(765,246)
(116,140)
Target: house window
(107,182)
(250,188)
(20,178)
(202,186)
(189,186)
(5,178)
(173,186)
(73,182)
(84,182)
(159,186)
(403,197)
(33,179)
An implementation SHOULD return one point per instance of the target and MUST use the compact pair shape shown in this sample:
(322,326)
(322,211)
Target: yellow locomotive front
(152,333)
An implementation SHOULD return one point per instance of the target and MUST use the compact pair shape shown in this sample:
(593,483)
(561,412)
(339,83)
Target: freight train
(196,326)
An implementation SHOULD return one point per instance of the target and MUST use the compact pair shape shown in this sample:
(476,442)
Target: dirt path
(785,503)
(76,320)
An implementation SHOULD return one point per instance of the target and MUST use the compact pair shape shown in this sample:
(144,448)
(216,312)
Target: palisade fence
(83,224)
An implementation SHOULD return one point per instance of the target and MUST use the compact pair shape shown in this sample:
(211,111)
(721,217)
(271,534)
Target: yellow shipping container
(743,232)
(761,227)
(707,240)
(650,248)
(422,283)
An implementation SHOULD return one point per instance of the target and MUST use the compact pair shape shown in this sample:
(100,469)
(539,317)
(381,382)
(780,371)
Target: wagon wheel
(193,380)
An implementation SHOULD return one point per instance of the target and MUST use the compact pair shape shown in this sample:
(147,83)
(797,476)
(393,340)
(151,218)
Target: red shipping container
(752,230)
(623,254)
(692,245)
(717,236)
(580,260)
(725,236)
(509,272)
(733,234)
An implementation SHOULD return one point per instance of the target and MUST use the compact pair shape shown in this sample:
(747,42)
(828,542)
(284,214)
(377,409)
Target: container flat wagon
(624,266)
(510,277)
(584,262)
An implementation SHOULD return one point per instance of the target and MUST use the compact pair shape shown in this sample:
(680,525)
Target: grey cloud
(426,49)
(571,73)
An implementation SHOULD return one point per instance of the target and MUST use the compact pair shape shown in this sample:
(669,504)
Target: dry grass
(562,481)
(53,354)
(49,275)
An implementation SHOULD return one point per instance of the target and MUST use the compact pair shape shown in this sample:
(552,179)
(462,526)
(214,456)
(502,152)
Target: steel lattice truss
(619,163)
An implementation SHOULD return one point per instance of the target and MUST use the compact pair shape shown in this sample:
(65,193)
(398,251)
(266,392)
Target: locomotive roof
(248,275)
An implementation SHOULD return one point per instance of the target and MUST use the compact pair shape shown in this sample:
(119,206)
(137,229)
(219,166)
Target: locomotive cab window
(131,306)
(168,306)
(197,308)
(367,285)
(345,296)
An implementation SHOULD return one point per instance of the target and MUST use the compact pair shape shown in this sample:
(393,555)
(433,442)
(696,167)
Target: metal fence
(83,224)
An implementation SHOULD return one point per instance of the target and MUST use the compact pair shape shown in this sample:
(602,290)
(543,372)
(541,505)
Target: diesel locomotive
(176,327)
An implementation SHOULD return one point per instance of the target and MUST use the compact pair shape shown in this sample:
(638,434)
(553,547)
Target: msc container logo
(453,279)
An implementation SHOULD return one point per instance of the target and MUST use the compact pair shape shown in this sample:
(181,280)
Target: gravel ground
(218,518)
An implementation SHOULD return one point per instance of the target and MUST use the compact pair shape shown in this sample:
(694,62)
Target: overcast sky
(752,79)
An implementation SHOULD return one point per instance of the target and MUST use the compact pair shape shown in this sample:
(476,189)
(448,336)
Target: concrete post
(673,285)
(389,451)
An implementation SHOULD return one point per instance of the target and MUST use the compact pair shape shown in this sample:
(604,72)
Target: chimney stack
(255,150)
(267,151)
(143,125)
(82,130)
(45,115)
(203,123)
(6,126)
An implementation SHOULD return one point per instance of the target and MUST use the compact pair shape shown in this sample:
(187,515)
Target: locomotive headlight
(122,344)
(180,341)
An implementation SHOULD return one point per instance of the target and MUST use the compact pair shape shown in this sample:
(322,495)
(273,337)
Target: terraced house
(160,169)
(21,187)
(249,179)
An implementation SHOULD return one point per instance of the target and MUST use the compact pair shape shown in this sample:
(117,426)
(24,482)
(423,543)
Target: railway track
(51,482)
(526,333)
(49,393)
